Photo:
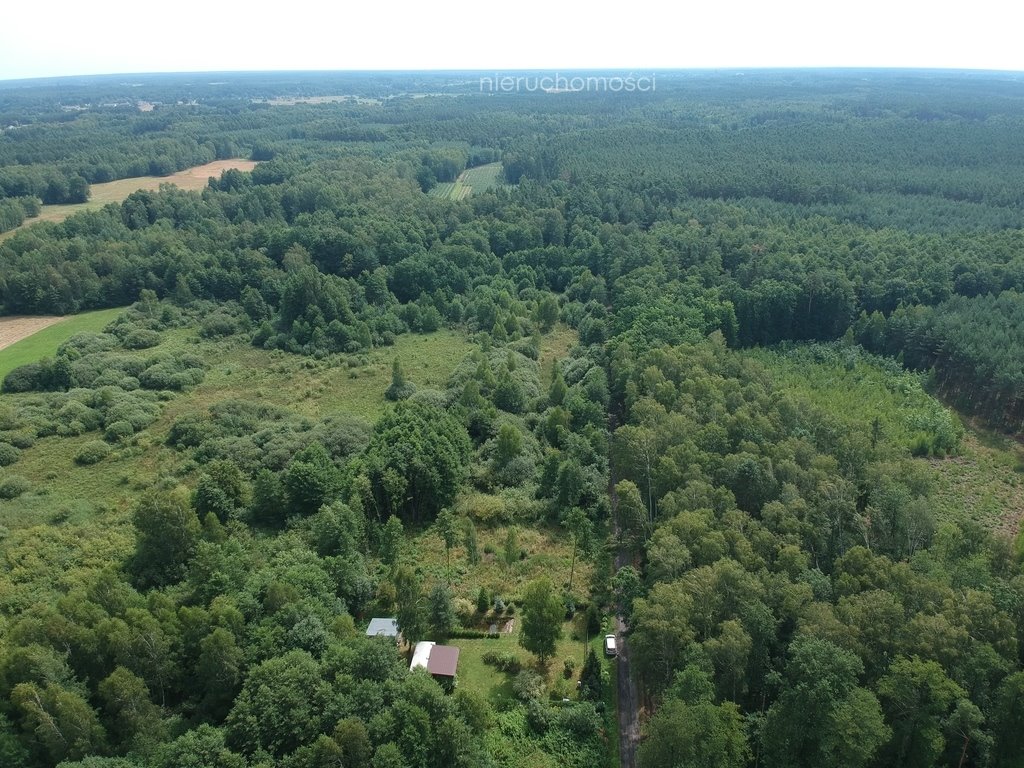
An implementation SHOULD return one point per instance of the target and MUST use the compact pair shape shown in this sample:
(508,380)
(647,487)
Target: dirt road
(629,702)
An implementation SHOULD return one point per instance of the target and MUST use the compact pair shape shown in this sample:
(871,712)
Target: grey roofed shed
(382,628)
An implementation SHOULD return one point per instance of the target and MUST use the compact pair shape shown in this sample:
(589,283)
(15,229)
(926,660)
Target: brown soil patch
(16,328)
(196,178)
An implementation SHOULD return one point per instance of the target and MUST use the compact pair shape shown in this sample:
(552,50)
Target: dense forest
(725,334)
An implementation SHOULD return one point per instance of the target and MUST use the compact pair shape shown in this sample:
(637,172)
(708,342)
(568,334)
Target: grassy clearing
(44,343)
(548,553)
(985,481)
(65,492)
(318,388)
(471,181)
(191,179)
(554,347)
(482,177)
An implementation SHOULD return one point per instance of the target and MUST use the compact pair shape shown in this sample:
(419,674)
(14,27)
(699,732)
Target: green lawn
(496,688)
(44,343)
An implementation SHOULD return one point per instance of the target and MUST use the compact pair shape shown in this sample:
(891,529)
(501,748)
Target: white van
(609,646)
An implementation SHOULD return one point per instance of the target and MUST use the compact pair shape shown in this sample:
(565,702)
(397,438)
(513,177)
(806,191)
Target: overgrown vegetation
(334,397)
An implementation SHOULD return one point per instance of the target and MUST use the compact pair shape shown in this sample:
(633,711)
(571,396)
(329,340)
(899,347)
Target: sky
(71,37)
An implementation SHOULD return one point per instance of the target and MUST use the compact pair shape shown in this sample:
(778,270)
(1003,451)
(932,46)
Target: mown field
(471,181)
(44,342)
(194,178)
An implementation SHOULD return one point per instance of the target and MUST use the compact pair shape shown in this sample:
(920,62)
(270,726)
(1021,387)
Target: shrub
(141,339)
(19,439)
(74,413)
(82,344)
(503,661)
(465,610)
(468,634)
(528,685)
(8,454)
(92,452)
(25,378)
(118,430)
(538,716)
(172,373)
(139,413)
(12,486)
(218,324)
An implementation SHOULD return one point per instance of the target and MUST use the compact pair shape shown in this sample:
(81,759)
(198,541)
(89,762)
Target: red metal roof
(444,660)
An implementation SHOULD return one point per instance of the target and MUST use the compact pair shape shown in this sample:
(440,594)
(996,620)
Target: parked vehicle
(609,646)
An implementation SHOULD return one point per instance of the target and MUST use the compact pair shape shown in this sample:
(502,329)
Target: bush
(135,410)
(25,378)
(118,430)
(468,634)
(538,716)
(82,344)
(8,454)
(141,339)
(528,685)
(92,452)
(581,720)
(218,324)
(13,486)
(172,373)
(503,661)
(19,439)
(464,610)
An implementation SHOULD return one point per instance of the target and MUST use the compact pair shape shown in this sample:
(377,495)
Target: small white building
(421,655)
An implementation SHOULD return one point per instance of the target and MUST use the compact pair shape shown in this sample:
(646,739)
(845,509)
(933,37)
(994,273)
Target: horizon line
(501,70)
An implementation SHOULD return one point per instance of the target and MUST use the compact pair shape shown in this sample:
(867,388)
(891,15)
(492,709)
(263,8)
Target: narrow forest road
(629,724)
(629,704)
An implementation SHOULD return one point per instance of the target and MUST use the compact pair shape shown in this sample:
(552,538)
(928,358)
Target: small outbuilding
(421,655)
(383,628)
(438,660)
(443,661)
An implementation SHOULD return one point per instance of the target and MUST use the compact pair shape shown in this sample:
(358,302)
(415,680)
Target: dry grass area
(986,481)
(115,191)
(14,329)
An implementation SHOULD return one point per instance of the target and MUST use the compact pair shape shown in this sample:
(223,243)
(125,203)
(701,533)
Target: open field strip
(190,179)
(28,339)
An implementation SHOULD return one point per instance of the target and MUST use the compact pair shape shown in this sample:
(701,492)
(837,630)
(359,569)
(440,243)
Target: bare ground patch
(14,329)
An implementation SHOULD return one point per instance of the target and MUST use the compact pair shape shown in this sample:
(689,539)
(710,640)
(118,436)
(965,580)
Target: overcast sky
(65,37)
